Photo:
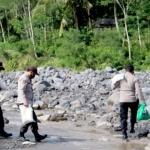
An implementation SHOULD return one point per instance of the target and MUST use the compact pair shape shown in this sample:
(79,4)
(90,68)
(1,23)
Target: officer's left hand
(26,104)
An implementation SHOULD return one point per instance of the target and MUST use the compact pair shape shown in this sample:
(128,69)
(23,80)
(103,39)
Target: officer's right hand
(26,104)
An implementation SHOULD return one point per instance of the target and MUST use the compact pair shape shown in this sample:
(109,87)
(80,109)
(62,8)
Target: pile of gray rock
(74,94)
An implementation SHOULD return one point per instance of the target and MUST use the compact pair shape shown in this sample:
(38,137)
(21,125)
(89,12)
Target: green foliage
(77,49)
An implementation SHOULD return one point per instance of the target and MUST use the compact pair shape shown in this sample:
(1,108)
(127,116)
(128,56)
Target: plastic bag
(26,114)
(142,113)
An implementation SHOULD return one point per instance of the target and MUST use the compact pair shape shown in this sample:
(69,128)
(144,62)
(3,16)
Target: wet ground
(67,135)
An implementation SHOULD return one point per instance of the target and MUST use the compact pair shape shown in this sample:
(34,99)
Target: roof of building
(105,21)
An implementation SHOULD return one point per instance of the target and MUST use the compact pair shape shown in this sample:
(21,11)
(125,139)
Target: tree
(124,5)
(106,3)
(27,13)
(74,5)
(31,29)
(6,12)
(50,9)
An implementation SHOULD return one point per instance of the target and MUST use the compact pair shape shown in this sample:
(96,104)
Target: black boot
(39,137)
(21,137)
(132,128)
(124,133)
(5,134)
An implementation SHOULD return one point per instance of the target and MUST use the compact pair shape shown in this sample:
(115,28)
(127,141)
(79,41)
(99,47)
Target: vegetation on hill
(61,33)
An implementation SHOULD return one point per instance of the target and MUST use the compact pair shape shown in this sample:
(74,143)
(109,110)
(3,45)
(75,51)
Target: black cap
(1,66)
(33,68)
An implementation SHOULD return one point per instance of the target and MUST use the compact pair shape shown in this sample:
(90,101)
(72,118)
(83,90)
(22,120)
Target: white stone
(58,107)
(44,117)
(35,106)
(15,106)
(61,111)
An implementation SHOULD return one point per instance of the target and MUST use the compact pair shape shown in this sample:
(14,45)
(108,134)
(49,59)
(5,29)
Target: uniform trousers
(33,125)
(124,114)
(1,120)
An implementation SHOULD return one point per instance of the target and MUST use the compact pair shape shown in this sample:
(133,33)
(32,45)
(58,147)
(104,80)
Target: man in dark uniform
(3,133)
(25,97)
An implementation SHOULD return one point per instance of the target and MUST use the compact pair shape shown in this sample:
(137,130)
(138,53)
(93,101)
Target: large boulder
(57,117)
(113,98)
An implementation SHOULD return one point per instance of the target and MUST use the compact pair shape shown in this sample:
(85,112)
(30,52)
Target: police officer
(25,97)
(3,133)
(128,88)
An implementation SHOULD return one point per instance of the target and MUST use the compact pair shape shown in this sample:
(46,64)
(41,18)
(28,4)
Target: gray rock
(15,106)
(41,104)
(6,121)
(35,106)
(80,112)
(92,123)
(58,117)
(44,118)
(61,112)
(109,69)
(146,90)
(104,92)
(63,102)
(114,98)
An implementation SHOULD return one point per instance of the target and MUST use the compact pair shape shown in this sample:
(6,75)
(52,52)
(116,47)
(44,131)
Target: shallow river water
(68,135)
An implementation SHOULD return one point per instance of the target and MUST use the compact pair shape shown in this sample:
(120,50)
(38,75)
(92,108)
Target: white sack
(117,77)
(26,114)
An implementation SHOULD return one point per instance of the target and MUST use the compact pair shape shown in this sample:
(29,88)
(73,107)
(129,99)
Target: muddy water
(68,135)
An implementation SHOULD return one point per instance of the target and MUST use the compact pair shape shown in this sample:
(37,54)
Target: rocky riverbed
(77,110)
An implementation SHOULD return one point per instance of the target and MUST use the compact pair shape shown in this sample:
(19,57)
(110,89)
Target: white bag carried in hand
(3,86)
(26,114)
(117,77)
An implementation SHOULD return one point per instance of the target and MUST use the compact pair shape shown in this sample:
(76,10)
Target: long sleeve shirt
(25,91)
(129,86)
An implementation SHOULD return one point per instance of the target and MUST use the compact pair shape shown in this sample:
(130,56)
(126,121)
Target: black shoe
(132,131)
(22,138)
(125,137)
(5,134)
(132,128)
(143,134)
(39,137)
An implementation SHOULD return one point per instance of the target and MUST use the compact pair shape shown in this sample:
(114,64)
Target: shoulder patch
(24,81)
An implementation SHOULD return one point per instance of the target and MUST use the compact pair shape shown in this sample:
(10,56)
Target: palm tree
(70,7)
(73,5)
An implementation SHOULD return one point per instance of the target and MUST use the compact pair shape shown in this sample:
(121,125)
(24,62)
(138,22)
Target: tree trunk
(7,22)
(89,18)
(3,34)
(75,17)
(115,16)
(138,24)
(125,10)
(123,40)
(31,30)
(52,28)
(45,31)
(16,14)
(25,15)
(128,39)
